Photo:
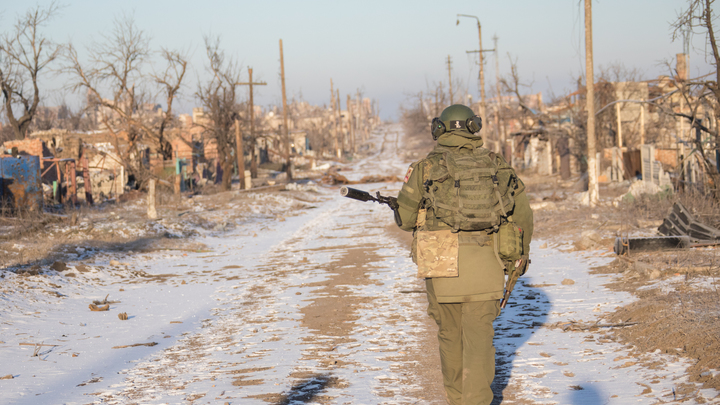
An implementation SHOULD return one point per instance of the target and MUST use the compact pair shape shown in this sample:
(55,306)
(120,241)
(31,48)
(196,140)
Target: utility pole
(333,125)
(481,74)
(253,163)
(338,114)
(450,79)
(239,155)
(359,113)
(593,189)
(350,124)
(288,168)
(499,132)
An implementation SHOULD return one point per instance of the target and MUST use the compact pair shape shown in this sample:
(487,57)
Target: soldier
(471,222)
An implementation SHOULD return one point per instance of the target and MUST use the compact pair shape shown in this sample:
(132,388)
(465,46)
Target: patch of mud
(334,313)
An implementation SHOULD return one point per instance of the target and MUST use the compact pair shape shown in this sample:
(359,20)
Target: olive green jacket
(481,277)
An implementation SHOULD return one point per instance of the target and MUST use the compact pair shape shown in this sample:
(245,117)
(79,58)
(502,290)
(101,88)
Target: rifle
(364,196)
(517,272)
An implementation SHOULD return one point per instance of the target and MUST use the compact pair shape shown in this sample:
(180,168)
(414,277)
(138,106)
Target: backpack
(469,189)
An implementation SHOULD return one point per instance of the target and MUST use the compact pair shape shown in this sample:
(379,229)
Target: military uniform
(464,307)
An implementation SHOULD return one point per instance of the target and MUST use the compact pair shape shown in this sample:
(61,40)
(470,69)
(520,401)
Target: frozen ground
(558,351)
(314,305)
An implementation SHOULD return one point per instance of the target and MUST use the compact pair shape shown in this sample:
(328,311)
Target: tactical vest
(468,189)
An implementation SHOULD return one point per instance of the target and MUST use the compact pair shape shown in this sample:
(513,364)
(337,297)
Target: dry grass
(684,322)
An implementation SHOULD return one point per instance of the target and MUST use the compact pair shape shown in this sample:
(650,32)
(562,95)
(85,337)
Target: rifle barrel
(356,194)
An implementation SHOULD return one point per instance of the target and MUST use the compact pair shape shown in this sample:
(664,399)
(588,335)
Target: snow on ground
(554,366)
(231,322)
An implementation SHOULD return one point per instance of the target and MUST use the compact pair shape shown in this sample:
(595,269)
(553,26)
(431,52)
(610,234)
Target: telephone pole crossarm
(481,74)
(484,50)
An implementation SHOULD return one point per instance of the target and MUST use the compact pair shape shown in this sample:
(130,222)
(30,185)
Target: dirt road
(316,305)
(303,296)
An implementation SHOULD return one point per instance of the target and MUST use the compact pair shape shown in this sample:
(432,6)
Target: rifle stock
(509,288)
(516,273)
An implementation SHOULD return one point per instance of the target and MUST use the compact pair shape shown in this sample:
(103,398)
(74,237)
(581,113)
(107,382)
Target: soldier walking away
(472,224)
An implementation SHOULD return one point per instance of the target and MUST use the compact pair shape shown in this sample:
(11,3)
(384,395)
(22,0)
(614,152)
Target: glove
(522,263)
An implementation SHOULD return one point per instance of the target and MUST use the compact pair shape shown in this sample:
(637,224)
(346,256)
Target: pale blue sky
(386,48)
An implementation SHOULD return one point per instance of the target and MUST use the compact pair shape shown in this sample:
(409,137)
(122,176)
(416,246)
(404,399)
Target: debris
(543,206)
(150,344)
(681,231)
(90,381)
(36,344)
(576,326)
(379,179)
(568,281)
(652,243)
(105,301)
(114,263)
(680,223)
(589,239)
(334,178)
(59,266)
(94,307)
(123,316)
(309,186)
(639,188)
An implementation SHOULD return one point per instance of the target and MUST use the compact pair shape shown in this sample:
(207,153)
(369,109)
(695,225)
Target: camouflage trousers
(467,354)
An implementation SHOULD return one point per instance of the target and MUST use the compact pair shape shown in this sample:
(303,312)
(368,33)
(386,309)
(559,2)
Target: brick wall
(668,157)
(181,149)
(34,147)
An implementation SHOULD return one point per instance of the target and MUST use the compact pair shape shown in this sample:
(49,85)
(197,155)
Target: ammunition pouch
(510,241)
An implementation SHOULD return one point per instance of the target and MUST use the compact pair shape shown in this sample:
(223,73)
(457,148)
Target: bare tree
(24,53)
(170,82)
(219,98)
(698,19)
(512,85)
(118,65)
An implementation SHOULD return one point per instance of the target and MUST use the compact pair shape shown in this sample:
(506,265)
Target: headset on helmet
(438,127)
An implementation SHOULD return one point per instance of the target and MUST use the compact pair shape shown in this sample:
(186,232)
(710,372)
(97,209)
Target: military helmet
(456,117)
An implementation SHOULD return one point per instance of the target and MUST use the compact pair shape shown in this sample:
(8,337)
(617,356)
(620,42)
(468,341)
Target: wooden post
(285,118)
(121,183)
(113,187)
(642,124)
(241,157)
(253,162)
(338,114)
(333,125)
(593,189)
(59,180)
(71,182)
(86,179)
(151,212)
(450,80)
(239,153)
(350,124)
(176,183)
(619,126)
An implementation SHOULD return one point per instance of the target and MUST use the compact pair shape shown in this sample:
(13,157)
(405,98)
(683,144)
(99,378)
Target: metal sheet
(21,183)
